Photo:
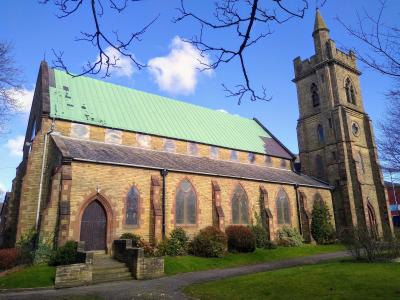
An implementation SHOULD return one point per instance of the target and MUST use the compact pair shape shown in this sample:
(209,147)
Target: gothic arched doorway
(94,227)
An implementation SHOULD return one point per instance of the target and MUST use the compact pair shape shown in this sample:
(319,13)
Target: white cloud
(178,72)
(24,99)
(3,190)
(222,110)
(124,65)
(15,145)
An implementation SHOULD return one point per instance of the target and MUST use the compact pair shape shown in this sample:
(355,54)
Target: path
(166,287)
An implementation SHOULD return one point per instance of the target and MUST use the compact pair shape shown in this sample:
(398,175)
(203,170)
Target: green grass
(30,277)
(334,280)
(182,264)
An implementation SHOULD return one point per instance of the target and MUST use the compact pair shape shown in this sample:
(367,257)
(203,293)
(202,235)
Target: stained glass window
(132,207)
(282,208)
(185,206)
(240,210)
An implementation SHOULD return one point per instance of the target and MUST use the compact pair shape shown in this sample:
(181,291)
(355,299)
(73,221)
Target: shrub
(26,247)
(261,236)
(65,255)
(240,239)
(9,257)
(289,237)
(131,236)
(363,244)
(321,228)
(209,242)
(175,245)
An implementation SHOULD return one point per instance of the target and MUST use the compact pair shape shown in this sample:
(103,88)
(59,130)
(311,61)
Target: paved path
(166,287)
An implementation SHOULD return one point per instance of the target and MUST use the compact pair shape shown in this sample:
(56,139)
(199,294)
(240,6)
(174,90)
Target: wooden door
(94,227)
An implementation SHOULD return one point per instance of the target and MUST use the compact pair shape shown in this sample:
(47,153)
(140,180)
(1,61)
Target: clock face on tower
(355,129)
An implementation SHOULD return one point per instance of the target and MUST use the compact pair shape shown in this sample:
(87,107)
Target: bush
(209,242)
(26,246)
(240,239)
(321,228)
(289,237)
(363,244)
(131,236)
(65,255)
(176,244)
(261,236)
(9,257)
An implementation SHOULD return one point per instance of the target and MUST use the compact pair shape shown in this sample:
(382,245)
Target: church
(100,160)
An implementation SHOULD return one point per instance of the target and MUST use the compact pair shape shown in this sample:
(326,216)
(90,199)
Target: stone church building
(101,160)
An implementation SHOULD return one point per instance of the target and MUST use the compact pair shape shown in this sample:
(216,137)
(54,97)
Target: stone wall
(140,266)
(73,275)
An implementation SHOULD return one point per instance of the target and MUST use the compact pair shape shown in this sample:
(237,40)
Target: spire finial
(319,23)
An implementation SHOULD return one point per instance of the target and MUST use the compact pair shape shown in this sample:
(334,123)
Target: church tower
(335,135)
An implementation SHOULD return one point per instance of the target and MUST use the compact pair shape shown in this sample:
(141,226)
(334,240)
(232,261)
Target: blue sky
(34,31)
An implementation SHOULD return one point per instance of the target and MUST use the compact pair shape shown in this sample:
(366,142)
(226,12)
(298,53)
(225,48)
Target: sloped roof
(98,152)
(91,101)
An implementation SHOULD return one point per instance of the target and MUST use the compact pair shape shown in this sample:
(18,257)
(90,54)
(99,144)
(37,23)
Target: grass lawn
(30,277)
(334,280)
(182,264)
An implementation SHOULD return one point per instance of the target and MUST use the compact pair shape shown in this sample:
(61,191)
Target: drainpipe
(164,173)
(296,187)
(42,174)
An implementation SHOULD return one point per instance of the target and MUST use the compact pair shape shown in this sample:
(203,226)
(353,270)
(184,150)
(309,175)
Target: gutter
(296,188)
(46,137)
(164,173)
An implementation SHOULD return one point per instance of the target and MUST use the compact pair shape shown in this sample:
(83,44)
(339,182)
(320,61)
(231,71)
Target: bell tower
(335,135)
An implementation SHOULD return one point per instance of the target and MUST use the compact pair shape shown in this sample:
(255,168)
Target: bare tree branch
(248,21)
(381,39)
(10,85)
(98,38)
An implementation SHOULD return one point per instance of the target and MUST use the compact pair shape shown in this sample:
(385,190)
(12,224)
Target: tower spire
(319,23)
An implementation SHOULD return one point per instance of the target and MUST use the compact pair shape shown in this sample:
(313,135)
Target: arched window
(185,207)
(282,208)
(319,166)
(350,92)
(240,210)
(132,207)
(328,50)
(320,133)
(372,218)
(314,95)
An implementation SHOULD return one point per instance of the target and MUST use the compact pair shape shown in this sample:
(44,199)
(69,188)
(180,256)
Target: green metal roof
(96,102)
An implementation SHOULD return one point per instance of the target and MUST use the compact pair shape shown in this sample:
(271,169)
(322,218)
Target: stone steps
(106,269)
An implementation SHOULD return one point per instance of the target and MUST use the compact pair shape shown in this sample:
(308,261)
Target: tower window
(330,122)
(314,95)
(350,92)
(361,162)
(320,133)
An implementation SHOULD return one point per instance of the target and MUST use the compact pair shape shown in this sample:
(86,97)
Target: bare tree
(389,143)
(10,85)
(246,21)
(382,41)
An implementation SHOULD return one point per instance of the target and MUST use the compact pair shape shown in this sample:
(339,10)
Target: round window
(355,128)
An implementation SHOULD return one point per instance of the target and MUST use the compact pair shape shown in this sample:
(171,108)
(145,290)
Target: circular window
(355,128)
